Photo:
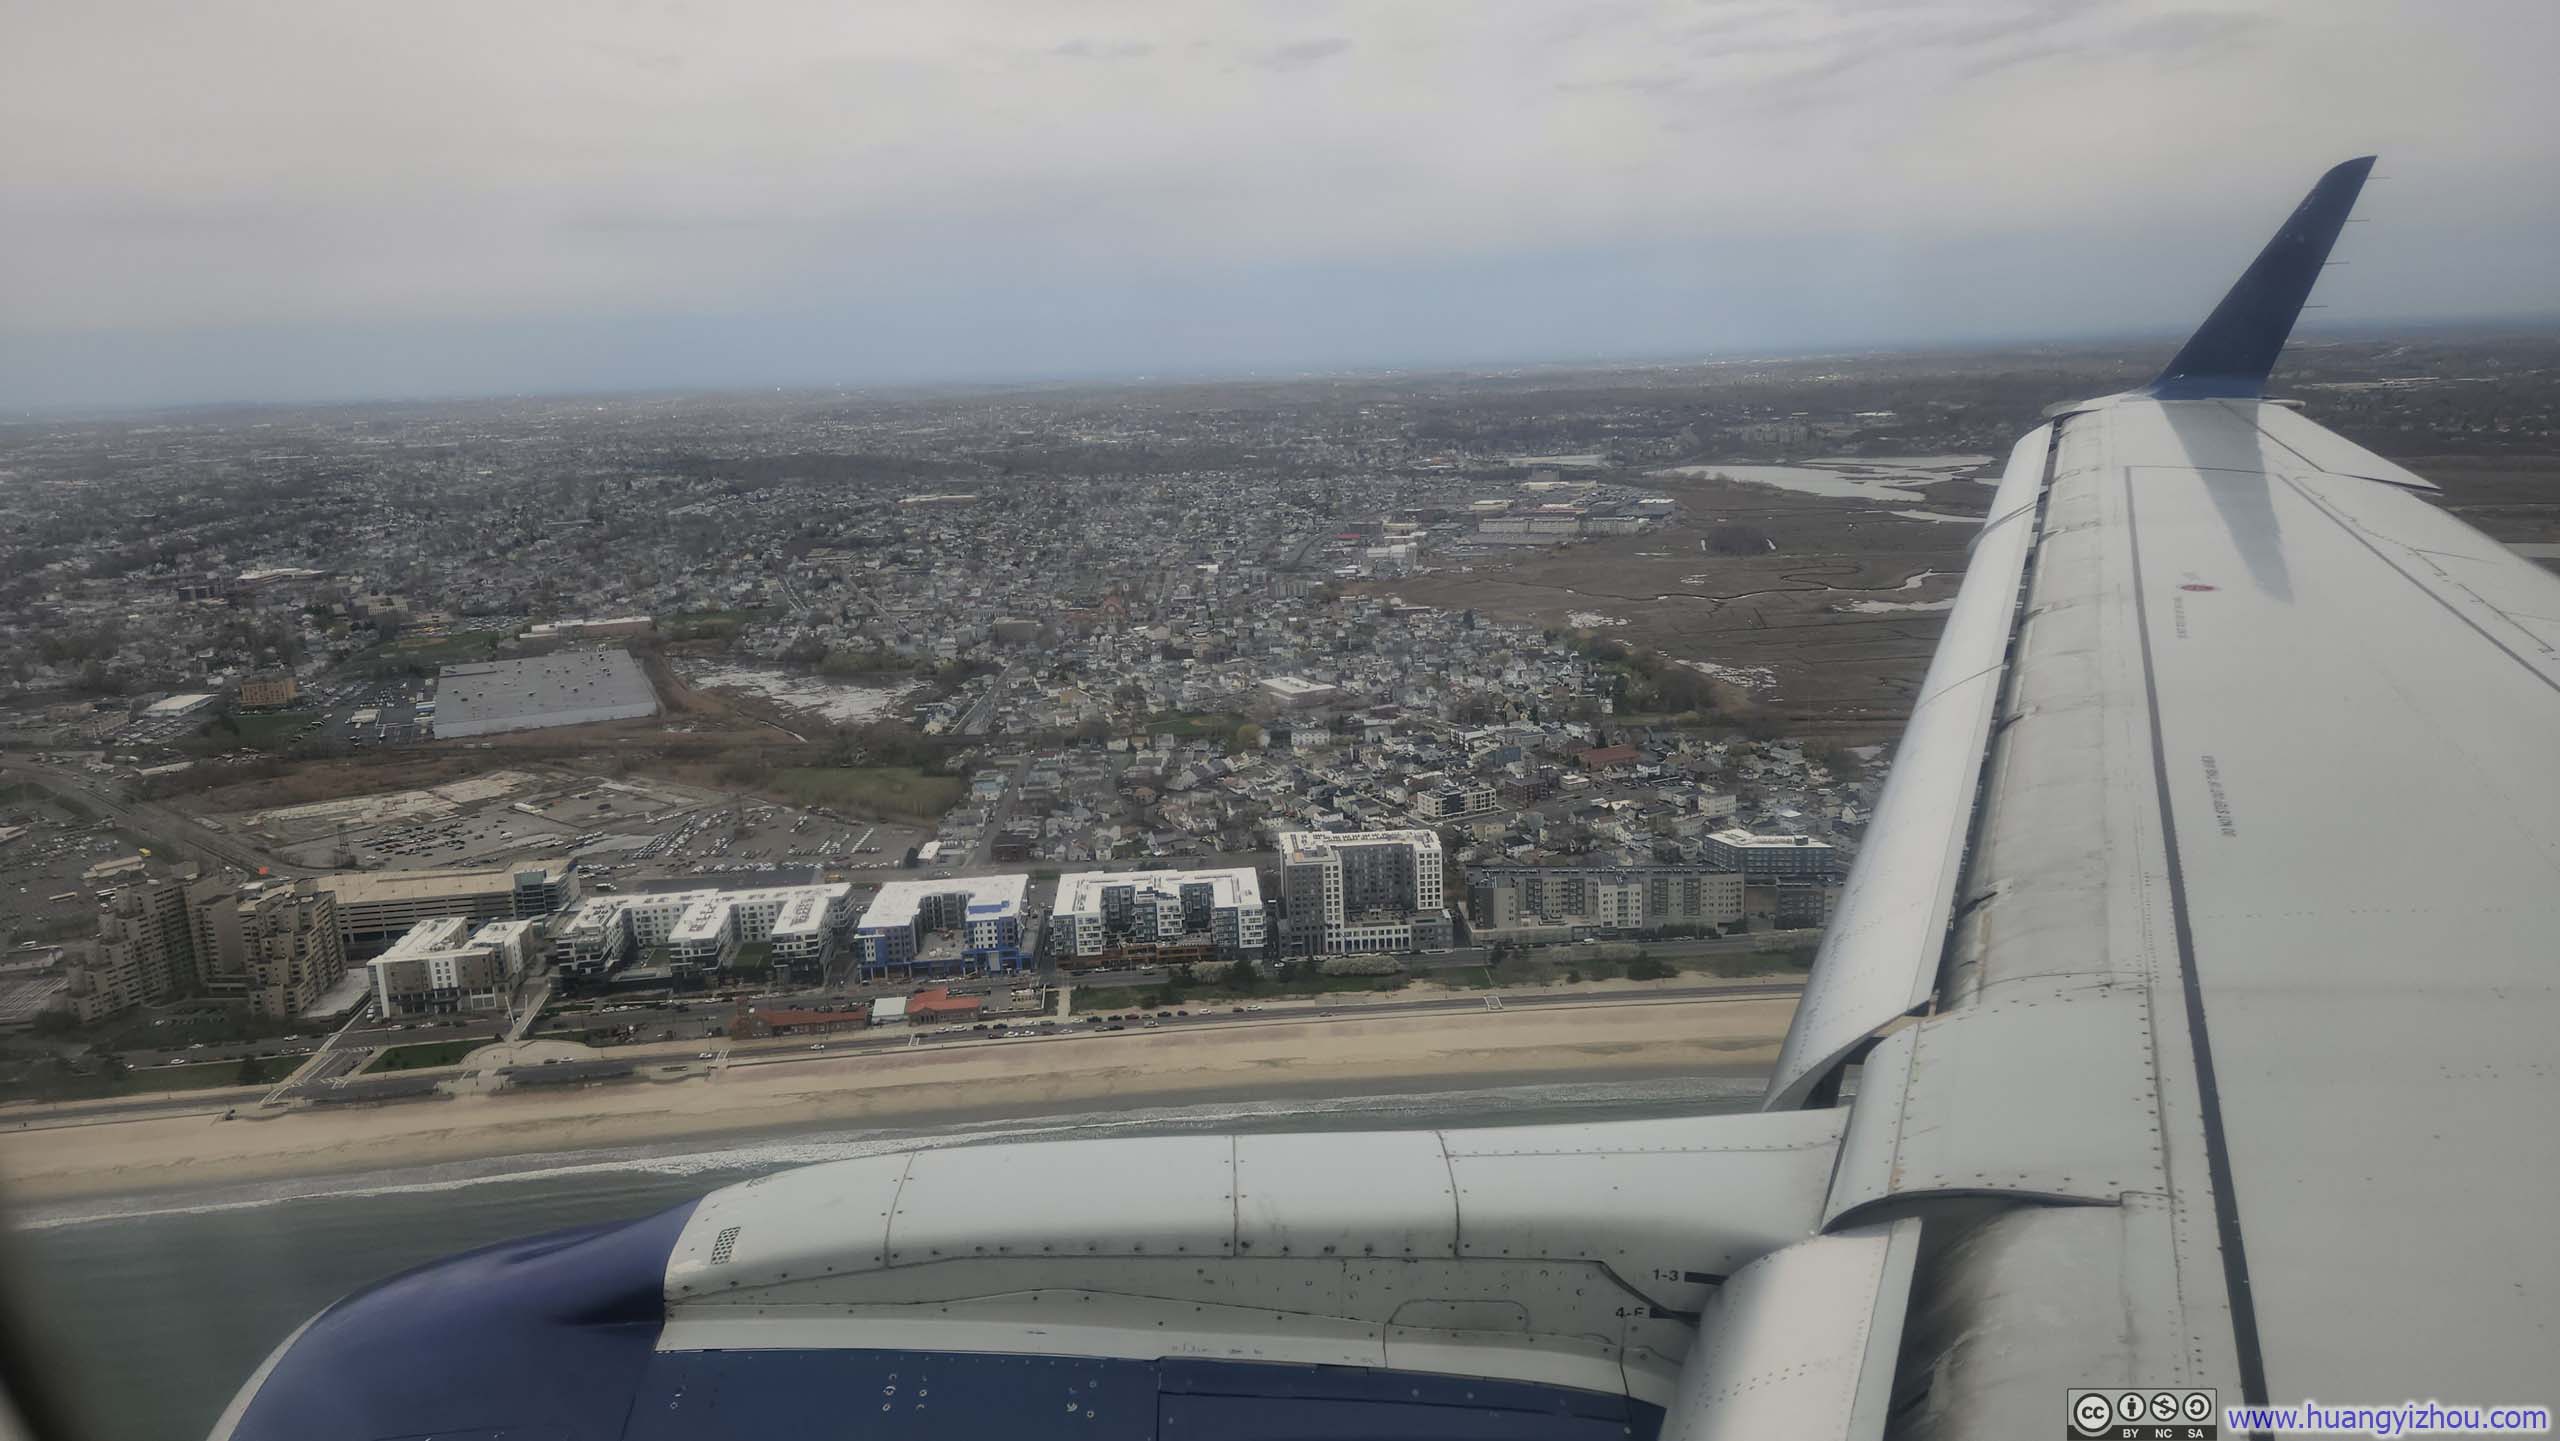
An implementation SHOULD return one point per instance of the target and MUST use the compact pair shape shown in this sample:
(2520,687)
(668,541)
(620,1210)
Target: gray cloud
(319,194)
(1083,49)
(2188,31)
(1300,54)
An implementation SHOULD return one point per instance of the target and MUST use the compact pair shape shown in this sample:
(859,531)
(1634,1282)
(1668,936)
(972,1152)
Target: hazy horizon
(930,386)
(376,202)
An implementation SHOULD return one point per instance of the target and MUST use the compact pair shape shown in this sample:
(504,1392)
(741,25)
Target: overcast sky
(284,199)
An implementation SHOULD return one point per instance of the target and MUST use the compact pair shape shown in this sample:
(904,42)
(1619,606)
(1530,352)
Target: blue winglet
(2235,348)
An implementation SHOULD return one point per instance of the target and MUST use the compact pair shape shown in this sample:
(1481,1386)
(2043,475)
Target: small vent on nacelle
(722,1244)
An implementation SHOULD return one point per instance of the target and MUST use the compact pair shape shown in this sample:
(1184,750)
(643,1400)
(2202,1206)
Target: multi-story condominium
(593,940)
(1362,892)
(1217,912)
(444,966)
(1604,897)
(705,936)
(937,926)
(1454,800)
(294,949)
(158,939)
(145,952)
(704,929)
(1760,857)
(1803,902)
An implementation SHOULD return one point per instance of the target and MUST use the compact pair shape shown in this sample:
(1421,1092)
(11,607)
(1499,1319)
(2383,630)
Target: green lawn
(1211,723)
(704,624)
(201,1076)
(423,655)
(872,790)
(425,1053)
(264,731)
(150,1080)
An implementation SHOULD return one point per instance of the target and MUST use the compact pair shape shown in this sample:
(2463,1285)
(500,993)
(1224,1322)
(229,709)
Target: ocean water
(154,1309)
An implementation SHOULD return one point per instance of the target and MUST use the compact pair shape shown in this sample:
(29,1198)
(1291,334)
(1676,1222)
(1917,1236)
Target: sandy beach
(1336,1056)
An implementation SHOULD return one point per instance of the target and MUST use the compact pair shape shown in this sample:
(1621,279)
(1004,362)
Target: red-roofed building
(938,1005)
(1607,757)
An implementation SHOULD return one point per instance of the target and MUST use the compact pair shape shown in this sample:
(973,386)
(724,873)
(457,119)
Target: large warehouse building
(574,687)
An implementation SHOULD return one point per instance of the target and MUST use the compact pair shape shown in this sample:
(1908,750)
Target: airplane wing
(2240,1041)
(2193,999)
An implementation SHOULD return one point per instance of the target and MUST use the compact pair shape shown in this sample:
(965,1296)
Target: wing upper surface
(2271,824)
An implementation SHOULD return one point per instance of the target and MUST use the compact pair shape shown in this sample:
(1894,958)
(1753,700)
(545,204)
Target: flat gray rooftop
(576,687)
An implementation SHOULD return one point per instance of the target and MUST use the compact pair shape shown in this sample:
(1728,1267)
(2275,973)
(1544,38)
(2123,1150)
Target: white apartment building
(1100,911)
(805,925)
(594,939)
(705,934)
(444,965)
(704,929)
(981,914)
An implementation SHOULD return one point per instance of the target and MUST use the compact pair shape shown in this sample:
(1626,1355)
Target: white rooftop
(1082,892)
(1312,845)
(990,898)
(1295,685)
(805,911)
(570,687)
(1747,838)
(177,704)
(703,920)
(442,933)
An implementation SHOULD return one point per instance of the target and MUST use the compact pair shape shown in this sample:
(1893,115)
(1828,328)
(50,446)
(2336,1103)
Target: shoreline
(1090,1073)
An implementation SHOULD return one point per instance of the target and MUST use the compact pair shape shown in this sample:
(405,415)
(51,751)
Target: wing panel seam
(2226,1203)
(2429,591)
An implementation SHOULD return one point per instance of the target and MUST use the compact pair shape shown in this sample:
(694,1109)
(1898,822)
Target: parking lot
(43,894)
(622,829)
(363,712)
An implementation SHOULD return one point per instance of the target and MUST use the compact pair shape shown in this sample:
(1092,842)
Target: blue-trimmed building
(943,927)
